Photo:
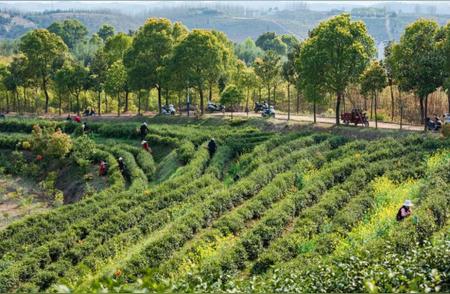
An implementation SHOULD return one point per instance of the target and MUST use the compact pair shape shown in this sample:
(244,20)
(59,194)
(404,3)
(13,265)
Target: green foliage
(83,149)
(55,144)
(271,42)
(231,96)
(72,31)
(248,51)
(105,31)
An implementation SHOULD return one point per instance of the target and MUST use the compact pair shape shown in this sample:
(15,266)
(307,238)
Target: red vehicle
(357,116)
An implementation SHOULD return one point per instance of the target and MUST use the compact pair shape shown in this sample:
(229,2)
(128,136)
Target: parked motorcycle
(213,107)
(268,112)
(260,106)
(435,125)
(168,110)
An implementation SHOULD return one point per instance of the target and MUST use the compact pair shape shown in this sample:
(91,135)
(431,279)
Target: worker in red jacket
(146,146)
(102,168)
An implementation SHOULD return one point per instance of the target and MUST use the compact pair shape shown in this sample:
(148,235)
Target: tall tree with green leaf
(106,31)
(373,81)
(98,70)
(309,67)
(445,49)
(116,80)
(231,97)
(74,77)
(150,52)
(290,73)
(247,51)
(195,58)
(72,31)
(419,61)
(269,41)
(45,52)
(268,69)
(345,48)
(388,65)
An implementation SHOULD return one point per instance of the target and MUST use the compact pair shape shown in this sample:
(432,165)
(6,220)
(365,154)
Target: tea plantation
(287,211)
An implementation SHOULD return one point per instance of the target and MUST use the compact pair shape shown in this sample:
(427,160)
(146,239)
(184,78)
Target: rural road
(327,120)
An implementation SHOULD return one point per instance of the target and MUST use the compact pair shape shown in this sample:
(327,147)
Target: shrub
(446,131)
(55,144)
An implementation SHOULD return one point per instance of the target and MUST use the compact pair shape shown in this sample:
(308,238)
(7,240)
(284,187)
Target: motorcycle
(268,112)
(433,125)
(213,107)
(260,107)
(168,110)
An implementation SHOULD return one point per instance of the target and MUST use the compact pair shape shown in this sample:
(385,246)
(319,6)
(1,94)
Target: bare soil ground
(19,198)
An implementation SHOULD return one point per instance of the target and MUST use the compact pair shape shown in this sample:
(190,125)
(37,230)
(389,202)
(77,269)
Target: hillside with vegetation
(308,210)
(114,178)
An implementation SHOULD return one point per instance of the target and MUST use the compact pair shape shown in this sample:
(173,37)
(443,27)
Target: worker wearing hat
(405,210)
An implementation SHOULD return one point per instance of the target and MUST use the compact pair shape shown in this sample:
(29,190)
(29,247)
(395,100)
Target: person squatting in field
(146,146)
(405,210)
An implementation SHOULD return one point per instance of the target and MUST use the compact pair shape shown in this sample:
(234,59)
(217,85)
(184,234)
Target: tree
(419,61)
(116,47)
(149,55)
(18,74)
(72,31)
(291,42)
(289,72)
(106,31)
(116,79)
(98,68)
(445,49)
(309,67)
(195,58)
(269,41)
(245,78)
(45,52)
(231,97)
(248,51)
(388,65)
(373,81)
(345,48)
(268,68)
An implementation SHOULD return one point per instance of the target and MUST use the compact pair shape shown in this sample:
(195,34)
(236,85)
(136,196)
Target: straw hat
(408,203)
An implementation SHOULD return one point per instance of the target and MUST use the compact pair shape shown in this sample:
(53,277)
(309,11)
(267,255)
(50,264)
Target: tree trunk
(343,101)
(298,102)
(422,112)
(159,99)
(99,103)
(60,104)
(371,108)
(139,102)
(44,86)
(260,94)
(274,95)
(426,107)
(118,104)
(126,101)
(448,98)
(248,97)
(392,100)
(376,105)
(338,105)
(315,111)
(167,96)
(106,103)
(78,103)
(401,108)
(200,90)
(210,92)
(289,100)
(268,95)
(7,102)
(365,103)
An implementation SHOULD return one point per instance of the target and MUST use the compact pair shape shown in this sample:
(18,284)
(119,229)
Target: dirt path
(328,120)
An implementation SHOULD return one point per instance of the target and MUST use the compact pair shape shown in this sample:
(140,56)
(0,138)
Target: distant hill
(237,24)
